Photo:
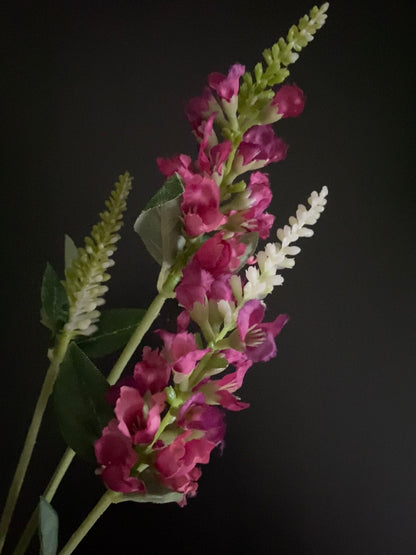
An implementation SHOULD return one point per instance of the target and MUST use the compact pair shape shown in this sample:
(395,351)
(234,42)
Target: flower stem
(26,454)
(48,494)
(106,500)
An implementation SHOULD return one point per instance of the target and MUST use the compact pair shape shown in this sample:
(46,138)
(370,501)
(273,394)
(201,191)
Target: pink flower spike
(290,101)
(257,337)
(227,86)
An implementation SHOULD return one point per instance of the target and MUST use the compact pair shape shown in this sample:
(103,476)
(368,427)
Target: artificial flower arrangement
(149,432)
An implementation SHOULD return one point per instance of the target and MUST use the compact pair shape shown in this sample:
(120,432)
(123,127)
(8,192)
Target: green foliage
(155,491)
(70,251)
(54,310)
(255,92)
(48,528)
(159,225)
(170,190)
(114,329)
(88,269)
(80,403)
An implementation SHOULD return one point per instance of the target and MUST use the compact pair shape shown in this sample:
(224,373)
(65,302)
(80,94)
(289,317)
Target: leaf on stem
(156,492)
(54,310)
(48,528)
(80,402)
(115,328)
(159,224)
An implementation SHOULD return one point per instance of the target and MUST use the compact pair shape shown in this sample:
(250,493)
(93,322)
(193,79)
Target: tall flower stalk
(150,432)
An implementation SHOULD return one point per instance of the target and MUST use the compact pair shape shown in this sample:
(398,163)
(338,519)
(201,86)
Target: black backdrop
(324,461)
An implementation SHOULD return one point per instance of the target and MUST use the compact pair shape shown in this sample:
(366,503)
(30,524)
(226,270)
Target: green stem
(106,500)
(48,494)
(47,387)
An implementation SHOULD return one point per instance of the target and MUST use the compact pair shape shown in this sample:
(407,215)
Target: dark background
(324,461)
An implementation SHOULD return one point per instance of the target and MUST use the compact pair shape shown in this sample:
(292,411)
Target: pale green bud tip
(88,270)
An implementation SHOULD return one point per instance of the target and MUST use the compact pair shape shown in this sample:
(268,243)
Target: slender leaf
(159,225)
(71,251)
(48,528)
(158,498)
(115,328)
(54,310)
(80,402)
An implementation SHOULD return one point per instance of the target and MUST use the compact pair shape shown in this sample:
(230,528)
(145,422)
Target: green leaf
(54,310)
(159,225)
(155,491)
(115,328)
(170,190)
(71,251)
(48,528)
(80,403)
(158,498)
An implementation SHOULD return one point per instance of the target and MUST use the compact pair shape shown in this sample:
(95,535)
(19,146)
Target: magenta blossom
(181,351)
(200,206)
(221,391)
(194,285)
(139,419)
(208,273)
(212,155)
(115,454)
(260,198)
(177,462)
(152,373)
(219,255)
(180,164)
(227,86)
(260,147)
(199,109)
(195,414)
(290,101)
(258,338)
